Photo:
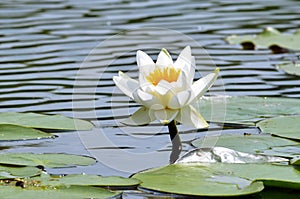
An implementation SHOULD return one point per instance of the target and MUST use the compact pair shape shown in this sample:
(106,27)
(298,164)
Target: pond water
(48,47)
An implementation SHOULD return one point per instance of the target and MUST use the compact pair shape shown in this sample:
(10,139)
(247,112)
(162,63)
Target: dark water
(48,47)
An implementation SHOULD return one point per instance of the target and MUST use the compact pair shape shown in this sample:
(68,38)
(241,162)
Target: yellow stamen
(169,74)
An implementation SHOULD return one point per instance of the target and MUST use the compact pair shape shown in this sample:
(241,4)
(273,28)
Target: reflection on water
(43,45)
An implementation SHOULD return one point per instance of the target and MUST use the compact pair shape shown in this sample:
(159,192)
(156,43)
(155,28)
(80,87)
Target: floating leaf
(285,126)
(7,172)
(73,192)
(196,180)
(282,176)
(245,110)
(48,159)
(13,132)
(225,155)
(218,179)
(41,121)
(269,38)
(284,151)
(87,180)
(292,68)
(262,144)
(296,161)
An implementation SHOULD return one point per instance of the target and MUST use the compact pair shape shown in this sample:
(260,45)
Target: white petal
(144,83)
(179,100)
(144,62)
(146,66)
(126,84)
(141,117)
(147,87)
(147,100)
(202,85)
(184,58)
(163,87)
(186,62)
(191,72)
(164,59)
(184,81)
(143,96)
(191,117)
(165,116)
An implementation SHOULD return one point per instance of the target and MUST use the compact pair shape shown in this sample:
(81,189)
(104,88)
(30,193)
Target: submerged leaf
(292,68)
(269,38)
(47,160)
(225,155)
(14,132)
(261,144)
(285,126)
(245,110)
(35,120)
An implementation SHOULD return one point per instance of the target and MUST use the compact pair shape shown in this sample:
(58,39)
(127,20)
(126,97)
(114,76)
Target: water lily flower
(166,89)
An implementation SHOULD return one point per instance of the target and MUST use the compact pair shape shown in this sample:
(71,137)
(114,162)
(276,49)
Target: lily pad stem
(176,142)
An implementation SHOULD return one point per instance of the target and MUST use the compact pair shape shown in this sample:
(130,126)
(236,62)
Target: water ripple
(43,45)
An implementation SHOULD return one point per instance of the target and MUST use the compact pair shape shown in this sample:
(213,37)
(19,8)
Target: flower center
(169,74)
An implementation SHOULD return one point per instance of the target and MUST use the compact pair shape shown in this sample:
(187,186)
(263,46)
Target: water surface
(47,47)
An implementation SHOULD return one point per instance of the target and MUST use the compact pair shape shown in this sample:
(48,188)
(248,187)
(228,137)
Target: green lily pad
(35,120)
(295,161)
(52,160)
(285,126)
(282,176)
(292,68)
(217,179)
(196,180)
(284,151)
(245,110)
(251,144)
(86,180)
(269,38)
(10,172)
(72,192)
(13,132)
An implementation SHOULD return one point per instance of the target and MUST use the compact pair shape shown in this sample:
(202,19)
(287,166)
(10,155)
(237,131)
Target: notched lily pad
(218,179)
(244,109)
(52,160)
(35,120)
(10,132)
(269,38)
(285,126)
(196,180)
(292,68)
(255,144)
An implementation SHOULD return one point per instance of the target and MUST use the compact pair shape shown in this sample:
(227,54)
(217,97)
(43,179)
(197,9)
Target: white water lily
(166,89)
